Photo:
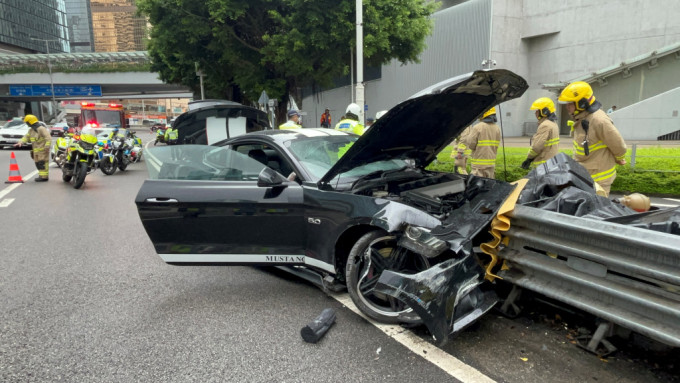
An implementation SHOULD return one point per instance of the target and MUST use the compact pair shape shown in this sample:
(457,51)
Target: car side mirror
(270,178)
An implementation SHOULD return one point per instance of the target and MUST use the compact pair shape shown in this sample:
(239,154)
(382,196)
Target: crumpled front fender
(447,297)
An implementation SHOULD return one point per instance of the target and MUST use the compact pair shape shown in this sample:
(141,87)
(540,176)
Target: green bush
(653,173)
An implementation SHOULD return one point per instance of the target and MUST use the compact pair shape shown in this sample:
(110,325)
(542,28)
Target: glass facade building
(80,25)
(26,24)
(117,28)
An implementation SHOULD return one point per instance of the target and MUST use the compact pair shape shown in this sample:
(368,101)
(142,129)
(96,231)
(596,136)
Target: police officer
(40,139)
(483,141)
(115,133)
(350,123)
(598,145)
(546,142)
(293,119)
(171,136)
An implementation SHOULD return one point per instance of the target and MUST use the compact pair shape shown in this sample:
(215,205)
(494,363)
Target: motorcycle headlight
(419,240)
(86,145)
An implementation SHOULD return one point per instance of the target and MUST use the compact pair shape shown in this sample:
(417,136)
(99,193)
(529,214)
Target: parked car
(343,210)
(12,131)
(157,126)
(59,128)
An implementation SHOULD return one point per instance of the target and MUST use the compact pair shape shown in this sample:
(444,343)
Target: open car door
(205,205)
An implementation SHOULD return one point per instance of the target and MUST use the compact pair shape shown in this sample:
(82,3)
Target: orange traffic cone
(14,175)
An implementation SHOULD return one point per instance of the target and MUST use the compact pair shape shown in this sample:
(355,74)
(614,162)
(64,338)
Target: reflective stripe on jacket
(605,146)
(171,134)
(350,126)
(40,139)
(483,140)
(545,144)
(460,146)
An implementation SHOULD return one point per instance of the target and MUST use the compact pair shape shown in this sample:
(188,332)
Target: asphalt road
(84,297)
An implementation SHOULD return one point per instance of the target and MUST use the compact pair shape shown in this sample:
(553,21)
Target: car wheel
(374,253)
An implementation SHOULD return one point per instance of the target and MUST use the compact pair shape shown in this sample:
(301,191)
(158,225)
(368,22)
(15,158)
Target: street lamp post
(49,69)
(360,60)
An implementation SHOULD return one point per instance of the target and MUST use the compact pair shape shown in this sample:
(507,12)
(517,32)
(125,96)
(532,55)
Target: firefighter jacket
(483,140)
(459,144)
(350,126)
(41,140)
(290,124)
(605,145)
(545,143)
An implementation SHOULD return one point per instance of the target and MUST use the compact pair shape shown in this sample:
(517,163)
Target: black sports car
(360,212)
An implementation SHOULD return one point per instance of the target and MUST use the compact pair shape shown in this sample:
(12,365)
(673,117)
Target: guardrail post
(632,158)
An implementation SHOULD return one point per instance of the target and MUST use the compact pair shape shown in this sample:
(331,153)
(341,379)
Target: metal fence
(625,275)
(634,157)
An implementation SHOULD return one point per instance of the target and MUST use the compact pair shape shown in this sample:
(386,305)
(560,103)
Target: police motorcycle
(80,158)
(160,136)
(120,149)
(58,152)
(105,161)
(136,147)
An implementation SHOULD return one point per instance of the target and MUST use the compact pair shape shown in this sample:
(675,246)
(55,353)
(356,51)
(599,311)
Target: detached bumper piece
(447,297)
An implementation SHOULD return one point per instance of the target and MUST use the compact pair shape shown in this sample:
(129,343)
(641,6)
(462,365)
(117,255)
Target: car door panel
(223,222)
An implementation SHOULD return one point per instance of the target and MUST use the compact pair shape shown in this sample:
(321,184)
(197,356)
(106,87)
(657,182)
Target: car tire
(377,306)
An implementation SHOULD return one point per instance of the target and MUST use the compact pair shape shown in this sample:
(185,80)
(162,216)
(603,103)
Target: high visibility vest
(290,124)
(350,126)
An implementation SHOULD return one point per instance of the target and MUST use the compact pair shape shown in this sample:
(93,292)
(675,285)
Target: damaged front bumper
(448,296)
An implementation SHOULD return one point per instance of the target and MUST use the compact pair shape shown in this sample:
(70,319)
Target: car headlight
(419,240)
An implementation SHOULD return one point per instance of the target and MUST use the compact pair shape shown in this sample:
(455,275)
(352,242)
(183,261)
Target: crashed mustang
(357,212)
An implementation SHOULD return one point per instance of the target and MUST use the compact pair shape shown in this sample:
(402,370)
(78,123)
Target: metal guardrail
(622,274)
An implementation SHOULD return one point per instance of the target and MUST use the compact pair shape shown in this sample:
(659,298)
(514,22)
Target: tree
(246,46)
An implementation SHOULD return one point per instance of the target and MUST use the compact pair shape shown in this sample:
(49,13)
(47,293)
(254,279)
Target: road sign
(59,90)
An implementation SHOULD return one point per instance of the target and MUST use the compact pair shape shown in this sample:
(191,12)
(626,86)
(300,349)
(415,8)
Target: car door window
(266,155)
(200,162)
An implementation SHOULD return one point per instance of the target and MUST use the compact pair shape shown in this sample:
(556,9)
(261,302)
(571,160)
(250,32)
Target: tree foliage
(246,46)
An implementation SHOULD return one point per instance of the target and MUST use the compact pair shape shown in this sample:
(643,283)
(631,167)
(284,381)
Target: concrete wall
(459,43)
(650,118)
(567,40)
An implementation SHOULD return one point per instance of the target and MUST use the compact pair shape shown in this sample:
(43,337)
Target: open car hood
(420,127)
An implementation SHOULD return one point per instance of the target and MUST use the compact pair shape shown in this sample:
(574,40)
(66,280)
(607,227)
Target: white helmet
(353,108)
(380,114)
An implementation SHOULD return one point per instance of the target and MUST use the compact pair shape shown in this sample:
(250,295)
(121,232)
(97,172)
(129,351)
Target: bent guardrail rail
(626,275)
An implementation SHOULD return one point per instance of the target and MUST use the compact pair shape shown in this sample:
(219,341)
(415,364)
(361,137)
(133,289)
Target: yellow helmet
(580,93)
(489,112)
(30,119)
(545,107)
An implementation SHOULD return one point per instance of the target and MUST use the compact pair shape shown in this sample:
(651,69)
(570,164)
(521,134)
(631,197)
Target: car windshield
(102,117)
(318,154)
(201,162)
(13,123)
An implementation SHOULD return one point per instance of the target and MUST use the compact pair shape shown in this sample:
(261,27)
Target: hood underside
(420,127)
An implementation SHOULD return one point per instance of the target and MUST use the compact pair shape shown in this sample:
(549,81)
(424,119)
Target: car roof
(279,136)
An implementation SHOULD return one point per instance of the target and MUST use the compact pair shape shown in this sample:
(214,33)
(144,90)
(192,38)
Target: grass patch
(653,174)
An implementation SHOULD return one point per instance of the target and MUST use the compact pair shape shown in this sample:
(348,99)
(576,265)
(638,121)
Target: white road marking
(451,365)
(11,187)
(6,202)
(672,199)
(663,205)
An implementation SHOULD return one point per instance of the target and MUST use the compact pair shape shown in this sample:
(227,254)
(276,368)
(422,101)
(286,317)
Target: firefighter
(350,122)
(170,136)
(293,121)
(598,145)
(546,141)
(460,153)
(40,139)
(483,142)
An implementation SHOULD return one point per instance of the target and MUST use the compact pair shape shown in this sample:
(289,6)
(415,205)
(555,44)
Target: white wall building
(628,50)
